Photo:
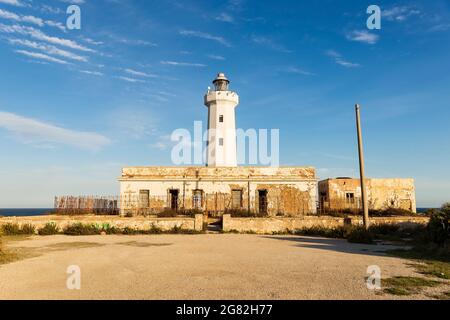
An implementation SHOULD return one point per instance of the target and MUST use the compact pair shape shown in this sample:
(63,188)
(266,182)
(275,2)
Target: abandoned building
(221,185)
(345,194)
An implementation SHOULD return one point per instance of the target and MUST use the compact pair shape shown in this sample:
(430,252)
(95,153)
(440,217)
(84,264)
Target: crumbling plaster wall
(381,193)
(291,191)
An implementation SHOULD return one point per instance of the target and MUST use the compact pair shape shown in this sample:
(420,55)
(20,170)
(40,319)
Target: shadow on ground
(337,245)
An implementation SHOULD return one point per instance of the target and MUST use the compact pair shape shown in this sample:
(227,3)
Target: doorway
(263,202)
(174,195)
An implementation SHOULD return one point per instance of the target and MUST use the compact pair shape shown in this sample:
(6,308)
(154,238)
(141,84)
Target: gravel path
(212,266)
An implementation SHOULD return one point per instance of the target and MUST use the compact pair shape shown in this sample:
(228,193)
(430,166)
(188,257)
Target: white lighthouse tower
(221,103)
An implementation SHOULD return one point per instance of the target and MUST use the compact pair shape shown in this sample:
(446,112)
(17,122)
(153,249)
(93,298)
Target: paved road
(196,267)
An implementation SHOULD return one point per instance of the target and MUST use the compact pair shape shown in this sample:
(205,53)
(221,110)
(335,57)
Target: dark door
(174,199)
(262,201)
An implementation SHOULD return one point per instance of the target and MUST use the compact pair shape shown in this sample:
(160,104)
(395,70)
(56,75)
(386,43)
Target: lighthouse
(221,103)
(221,185)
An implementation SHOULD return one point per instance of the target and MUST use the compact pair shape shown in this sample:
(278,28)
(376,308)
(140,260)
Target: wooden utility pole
(365,206)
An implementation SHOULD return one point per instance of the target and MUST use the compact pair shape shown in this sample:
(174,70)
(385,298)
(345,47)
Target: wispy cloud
(36,132)
(131,80)
(270,43)
(225,17)
(140,73)
(92,73)
(41,56)
(136,122)
(30,19)
(215,57)
(19,18)
(39,35)
(400,13)
(440,27)
(204,35)
(340,60)
(132,42)
(295,70)
(363,36)
(183,64)
(92,41)
(16,3)
(49,49)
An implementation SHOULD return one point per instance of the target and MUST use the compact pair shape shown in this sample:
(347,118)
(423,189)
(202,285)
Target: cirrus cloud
(35,132)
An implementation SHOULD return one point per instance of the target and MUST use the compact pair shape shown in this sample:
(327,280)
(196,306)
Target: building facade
(345,194)
(262,190)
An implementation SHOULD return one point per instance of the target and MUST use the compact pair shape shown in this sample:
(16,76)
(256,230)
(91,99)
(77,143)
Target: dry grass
(405,286)
(10,255)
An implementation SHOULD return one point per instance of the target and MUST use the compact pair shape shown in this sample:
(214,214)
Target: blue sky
(77,105)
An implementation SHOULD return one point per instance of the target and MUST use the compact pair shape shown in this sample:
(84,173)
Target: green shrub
(384,229)
(176,230)
(79,229)
(318,231)
(360,235)
(439,228)
(13,229)
(155,230)
(446,208)
(28,229)
(130,231)
(10,229)
(49,229)
(108,229)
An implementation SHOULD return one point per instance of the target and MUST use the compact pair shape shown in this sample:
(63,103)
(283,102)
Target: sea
(24,212)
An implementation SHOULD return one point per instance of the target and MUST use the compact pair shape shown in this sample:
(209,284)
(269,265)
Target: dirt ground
(186,267)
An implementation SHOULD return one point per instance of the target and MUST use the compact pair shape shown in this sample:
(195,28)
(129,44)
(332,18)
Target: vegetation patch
(431,250)
(360,235)
(13,229)
(79,229)
(49,229)
(405,286)
(430,260)
(353,234)
(442,296)
(8,255)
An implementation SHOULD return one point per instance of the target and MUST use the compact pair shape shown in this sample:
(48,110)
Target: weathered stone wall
(275,224)
(138,223)
(381,194)
(292,191)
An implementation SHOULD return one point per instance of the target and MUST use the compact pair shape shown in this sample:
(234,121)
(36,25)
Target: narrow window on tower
(221,142)
(221,119)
